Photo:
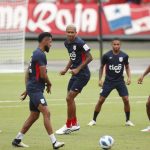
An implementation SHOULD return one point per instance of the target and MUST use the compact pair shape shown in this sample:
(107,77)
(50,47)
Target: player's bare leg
(28,123)
(147,129)
(127,110)
(97,110)
(148,108)
(47,123)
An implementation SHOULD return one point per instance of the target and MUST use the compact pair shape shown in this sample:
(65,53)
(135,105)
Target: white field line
(63,99)
(78,103)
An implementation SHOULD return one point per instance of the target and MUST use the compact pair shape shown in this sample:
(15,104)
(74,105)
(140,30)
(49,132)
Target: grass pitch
(110,121)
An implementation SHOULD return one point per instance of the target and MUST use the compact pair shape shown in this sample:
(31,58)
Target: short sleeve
(41,59)
(126,62)
(104,59)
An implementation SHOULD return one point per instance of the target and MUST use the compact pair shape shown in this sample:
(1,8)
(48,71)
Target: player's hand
(63,72)
(48,88)
(23,95)
(128,81)
(140,80)
(74,71)
(100,83)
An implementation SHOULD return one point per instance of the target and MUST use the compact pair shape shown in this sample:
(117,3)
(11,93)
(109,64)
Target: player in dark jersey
(114,62)
(36,80)
(80,57)
(140,80)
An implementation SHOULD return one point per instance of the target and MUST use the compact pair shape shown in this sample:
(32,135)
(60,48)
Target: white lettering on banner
(13,18)
(85,20)
(42,23)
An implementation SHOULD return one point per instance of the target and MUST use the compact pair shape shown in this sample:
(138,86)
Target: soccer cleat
(75,128)
(92,123)
(146,129)
(129,123)
(63,130)
(18,143)
(57,145)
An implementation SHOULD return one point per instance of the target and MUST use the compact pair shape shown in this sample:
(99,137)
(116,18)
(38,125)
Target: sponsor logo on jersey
(117,69)
(121,59)
(72,55)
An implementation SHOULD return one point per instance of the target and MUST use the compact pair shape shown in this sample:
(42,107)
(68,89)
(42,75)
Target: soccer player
(114,62)
(36,80)
(80,57)
(140,80)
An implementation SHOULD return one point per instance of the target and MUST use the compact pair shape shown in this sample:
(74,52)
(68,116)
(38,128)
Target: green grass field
(110,121)
(61,54)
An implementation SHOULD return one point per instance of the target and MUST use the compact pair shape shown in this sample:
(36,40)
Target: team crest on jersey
(74,47)
(121,59)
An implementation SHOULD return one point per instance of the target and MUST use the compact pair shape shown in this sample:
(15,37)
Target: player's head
(71,32)
(45,40)
(116,44)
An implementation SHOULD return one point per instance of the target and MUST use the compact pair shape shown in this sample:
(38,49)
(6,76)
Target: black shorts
(36,98)
(109,86)
(77,83)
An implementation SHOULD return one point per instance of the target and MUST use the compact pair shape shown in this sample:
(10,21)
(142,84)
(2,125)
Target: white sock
(52,138)
(20,136)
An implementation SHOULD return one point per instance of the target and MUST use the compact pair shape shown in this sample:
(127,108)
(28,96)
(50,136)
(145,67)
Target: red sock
(68,123)
(74,121)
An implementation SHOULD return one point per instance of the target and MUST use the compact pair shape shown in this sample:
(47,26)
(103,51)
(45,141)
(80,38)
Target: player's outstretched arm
(24,94)
(140,80)
(101,75)
(128,72)
(63,72)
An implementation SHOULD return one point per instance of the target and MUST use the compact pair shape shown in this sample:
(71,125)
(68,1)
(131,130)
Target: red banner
(54,18)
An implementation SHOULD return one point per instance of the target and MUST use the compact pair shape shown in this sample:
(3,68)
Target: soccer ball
(106,142)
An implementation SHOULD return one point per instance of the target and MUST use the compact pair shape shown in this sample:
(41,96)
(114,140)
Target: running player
(114,61)
(80,57)
(140,80)
(36,80)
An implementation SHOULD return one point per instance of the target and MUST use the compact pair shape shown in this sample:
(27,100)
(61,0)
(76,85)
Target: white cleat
(92,123)
(146,129)
(129,123)
(75,128)
(63,130)
(57,145)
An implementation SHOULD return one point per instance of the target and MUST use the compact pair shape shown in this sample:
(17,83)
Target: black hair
(116,39)
(43,35)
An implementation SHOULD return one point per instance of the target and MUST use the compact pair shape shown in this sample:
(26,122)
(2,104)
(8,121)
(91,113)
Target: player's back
(35,83)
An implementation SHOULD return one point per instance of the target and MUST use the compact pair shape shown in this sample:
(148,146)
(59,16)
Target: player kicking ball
(36,80)
(140,80)
(114,62)
(80,57)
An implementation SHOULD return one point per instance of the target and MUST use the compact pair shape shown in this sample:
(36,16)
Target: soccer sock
(127,116)
(52,138)
(95,115)
(68,123)
(74,121)
(20,136)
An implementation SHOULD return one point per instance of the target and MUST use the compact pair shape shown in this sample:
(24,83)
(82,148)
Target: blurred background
(97,22)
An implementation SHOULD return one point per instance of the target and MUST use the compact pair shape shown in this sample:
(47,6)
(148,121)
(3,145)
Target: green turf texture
(61,54)
(110,121)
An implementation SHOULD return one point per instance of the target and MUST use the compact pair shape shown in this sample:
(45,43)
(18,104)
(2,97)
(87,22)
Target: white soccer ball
(106,142)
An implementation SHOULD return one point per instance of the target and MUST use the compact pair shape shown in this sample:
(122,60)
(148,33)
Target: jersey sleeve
(41,60)
(84,47)
(126,62)
(104,59)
